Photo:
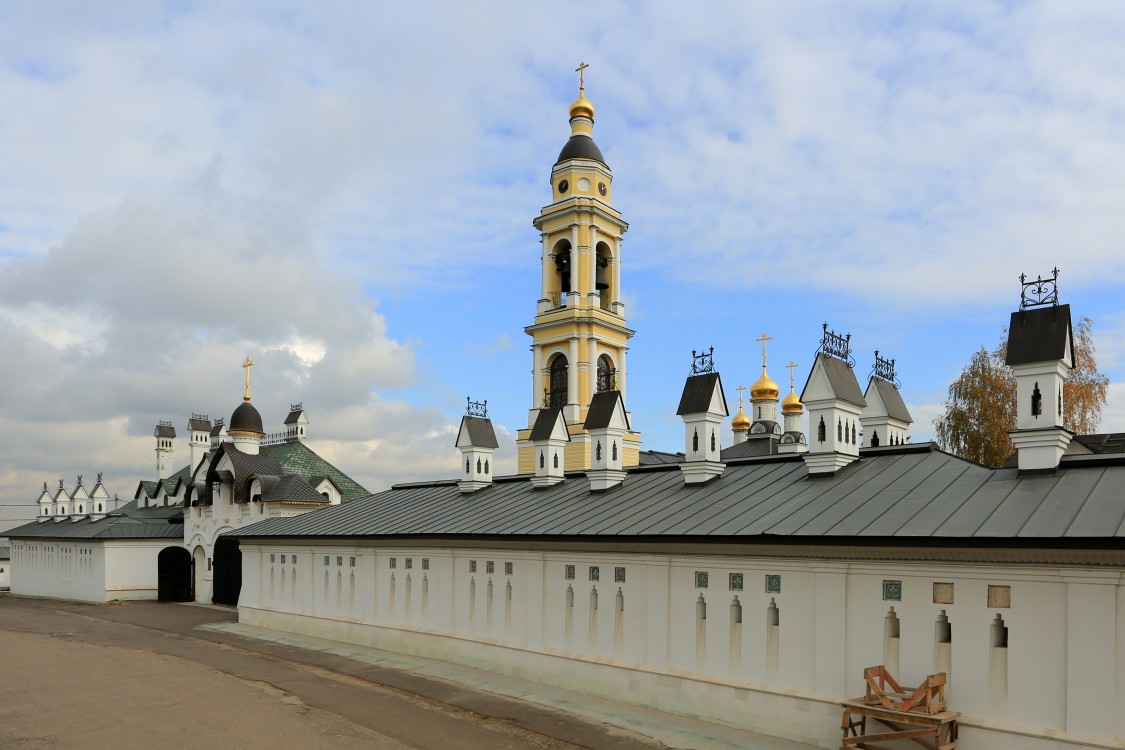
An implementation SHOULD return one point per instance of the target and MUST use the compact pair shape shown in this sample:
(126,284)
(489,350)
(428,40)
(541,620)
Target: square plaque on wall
(999,597)
(943,593)
(773,584)
(892,591)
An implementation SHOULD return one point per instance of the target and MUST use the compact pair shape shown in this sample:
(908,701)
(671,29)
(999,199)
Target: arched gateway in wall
(227,571)
(174,575)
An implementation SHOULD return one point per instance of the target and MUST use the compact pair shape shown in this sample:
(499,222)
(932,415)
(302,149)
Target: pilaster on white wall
(1091,626)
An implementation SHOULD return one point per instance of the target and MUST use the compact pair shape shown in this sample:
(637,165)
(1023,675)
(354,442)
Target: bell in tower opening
(562,266)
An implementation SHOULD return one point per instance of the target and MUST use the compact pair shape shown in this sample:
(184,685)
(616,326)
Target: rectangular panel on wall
(943,593)
(999,597)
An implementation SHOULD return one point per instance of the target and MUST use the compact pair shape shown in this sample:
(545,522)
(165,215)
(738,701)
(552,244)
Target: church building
(168,542)
(749,584)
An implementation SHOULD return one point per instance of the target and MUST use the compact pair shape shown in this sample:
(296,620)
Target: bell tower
(579,337)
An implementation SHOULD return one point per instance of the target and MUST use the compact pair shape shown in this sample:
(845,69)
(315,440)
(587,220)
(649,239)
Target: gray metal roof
(892,399)
(899,494)
(110,527)
(199,424)
(754,446)
(1038,335)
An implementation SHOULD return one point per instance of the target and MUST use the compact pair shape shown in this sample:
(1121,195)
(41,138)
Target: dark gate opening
(174,575)
(227,571)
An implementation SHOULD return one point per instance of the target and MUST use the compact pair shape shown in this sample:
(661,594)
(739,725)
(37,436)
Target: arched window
(557,392)
(563,266)
(607,375)
(603,275)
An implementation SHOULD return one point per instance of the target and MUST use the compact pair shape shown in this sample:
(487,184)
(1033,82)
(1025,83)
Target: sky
(344,192)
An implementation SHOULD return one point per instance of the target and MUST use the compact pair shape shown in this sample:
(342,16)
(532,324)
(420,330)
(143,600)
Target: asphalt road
(143,675)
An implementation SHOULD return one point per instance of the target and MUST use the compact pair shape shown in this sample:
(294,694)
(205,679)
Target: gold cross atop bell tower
(578,337)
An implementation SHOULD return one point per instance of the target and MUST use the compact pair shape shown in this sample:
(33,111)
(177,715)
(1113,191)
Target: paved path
(145,674)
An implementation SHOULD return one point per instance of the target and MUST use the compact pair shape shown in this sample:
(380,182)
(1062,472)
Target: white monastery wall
(668,637)
(85,570)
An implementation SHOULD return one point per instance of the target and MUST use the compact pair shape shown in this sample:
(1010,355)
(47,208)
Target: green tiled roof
(297,458)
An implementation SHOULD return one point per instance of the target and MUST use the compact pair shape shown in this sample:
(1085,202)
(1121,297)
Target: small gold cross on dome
(740,389)
(581,71)
(792,366)
(764,338)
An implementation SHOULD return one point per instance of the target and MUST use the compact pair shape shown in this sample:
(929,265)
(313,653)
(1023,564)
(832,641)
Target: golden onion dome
(581,107)
(741,422)
(792,404)
(763,387)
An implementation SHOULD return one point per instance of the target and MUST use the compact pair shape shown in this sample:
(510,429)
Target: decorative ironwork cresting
(833,344)
(476,408)
(884,369)
(1040,292)
(297,407)
(704,362)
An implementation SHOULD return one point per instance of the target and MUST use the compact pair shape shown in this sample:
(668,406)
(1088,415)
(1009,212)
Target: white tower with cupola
(579,337)
(1040,352)
(165,435)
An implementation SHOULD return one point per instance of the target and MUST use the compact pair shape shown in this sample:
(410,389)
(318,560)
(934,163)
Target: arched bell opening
(558,383)
(562,277)
(607,374)
(603,275)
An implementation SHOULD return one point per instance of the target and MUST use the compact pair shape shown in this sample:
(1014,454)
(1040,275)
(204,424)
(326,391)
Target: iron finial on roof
(297,407)
(703,362)
(884,369)
(1040,292)
(833,344)
(476,408)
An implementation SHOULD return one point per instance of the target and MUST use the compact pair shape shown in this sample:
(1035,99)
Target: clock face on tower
(602,188)
(564,185)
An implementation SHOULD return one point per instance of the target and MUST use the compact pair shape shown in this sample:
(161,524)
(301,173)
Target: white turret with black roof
(703,407)
(606,423)
(61,502)
(297,423)
(46,503)
(79,500)
(835,403)
(165,435)
(199,437)
(549,435)
(885,418)
(476,439)
(1041,354)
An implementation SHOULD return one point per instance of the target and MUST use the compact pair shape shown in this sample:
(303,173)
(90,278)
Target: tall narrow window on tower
(562,268)
(557,392)
(602,276)
(607,375)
